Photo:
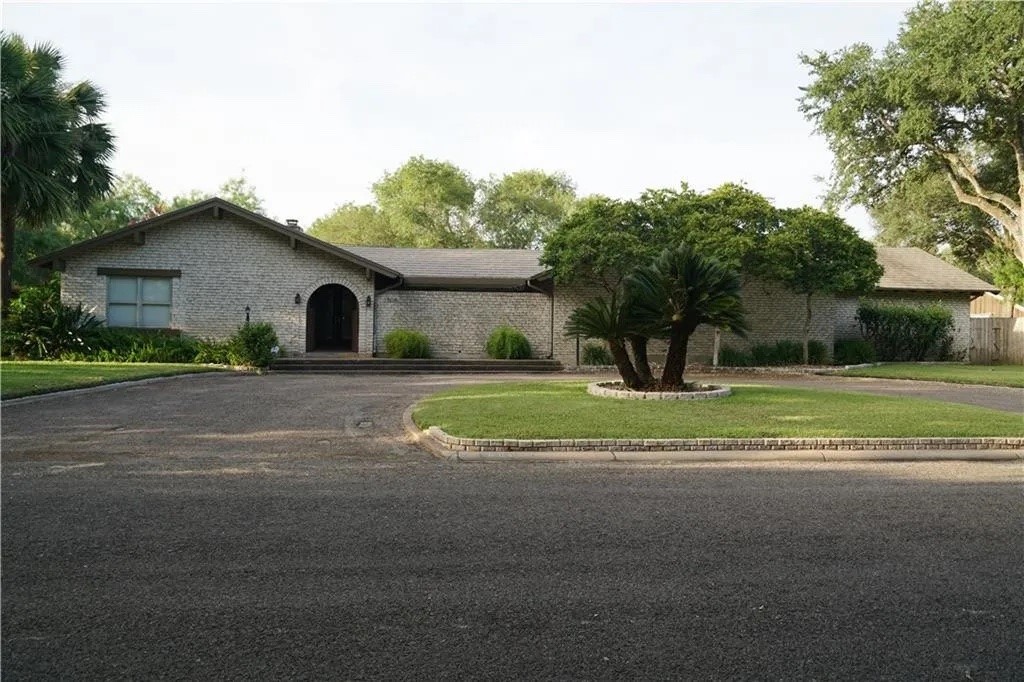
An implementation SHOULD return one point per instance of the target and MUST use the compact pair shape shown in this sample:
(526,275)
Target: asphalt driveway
(294,415)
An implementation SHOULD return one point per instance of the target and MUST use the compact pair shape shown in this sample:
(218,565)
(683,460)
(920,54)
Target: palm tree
(680,291)
(611,321)
(54,151)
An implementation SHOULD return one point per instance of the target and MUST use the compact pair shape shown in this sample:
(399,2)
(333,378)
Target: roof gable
(216,204)
(910,268)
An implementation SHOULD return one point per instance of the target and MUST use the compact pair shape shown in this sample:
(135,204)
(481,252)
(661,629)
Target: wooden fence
(997,339)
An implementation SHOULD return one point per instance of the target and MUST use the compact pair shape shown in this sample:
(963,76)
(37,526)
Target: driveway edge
(441,444)
(104,387)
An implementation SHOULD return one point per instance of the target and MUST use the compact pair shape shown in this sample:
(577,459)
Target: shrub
(596,354)
(39,326)
(853,352)
(508,343)
(252,345)
(730,357)
(774,354)
(406,343)
(904,332)
(108,344)
(212,353)
(817,353)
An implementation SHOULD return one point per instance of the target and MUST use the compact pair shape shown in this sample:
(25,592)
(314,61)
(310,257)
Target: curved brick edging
(440,444)
(713,392)
(456,444)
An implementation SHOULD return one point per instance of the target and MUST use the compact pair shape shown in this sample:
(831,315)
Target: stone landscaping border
(712,392)
(439,443)
(713,444)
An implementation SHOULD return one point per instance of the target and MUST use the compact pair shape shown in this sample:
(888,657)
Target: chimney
(293,223)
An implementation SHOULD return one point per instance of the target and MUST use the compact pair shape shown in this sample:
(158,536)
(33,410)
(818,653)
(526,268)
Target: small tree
(677,293)
(814,252)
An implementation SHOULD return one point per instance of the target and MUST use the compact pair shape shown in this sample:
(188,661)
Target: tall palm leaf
(680,291)
(55,153)
(611,321)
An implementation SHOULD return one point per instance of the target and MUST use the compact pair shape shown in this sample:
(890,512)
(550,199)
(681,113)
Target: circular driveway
(236,416)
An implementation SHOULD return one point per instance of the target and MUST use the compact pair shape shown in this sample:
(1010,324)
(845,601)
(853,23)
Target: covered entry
(332,319)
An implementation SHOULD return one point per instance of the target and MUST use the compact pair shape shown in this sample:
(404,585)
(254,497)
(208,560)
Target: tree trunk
(6,256)
(643,367)
(675,359)
(807,332)
(622,362)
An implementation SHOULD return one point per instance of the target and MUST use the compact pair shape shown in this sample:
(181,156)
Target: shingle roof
(908,267)
(436,267)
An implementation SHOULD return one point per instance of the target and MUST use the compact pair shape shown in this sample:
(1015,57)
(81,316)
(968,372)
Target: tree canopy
(238,190)
(518,210)
(429,203)
(55,150)
(357,224)
(946,98)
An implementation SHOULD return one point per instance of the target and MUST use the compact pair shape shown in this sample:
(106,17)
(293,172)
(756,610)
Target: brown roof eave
(918,290)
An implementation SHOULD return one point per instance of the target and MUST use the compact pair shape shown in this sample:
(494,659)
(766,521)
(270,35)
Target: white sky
(314,102)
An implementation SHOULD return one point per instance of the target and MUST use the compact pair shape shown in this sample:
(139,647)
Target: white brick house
(205,269)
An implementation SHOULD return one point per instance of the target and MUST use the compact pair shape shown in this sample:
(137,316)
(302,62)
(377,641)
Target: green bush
(107,344)
(730,357)
(774,354)
(907,333)
(508,343)
(407,343)
(40,327)
(597,355)
(212,353)
(853,352)
(252,345)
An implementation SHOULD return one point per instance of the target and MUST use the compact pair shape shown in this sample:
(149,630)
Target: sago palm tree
(610,320)
(55,153)
(680,291)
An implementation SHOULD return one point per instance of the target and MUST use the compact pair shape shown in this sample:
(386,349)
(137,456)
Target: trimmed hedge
(508,343)
(407,343)
(853,352)
(773,354)
(906,332)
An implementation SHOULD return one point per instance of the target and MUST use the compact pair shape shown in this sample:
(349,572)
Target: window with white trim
(139,302)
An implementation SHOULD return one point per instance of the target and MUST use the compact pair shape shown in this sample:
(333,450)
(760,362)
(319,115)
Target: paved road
(246,527)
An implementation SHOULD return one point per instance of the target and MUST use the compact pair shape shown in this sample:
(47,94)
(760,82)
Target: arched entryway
(332,319)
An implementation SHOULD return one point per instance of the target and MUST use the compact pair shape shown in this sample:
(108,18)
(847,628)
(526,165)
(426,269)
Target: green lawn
(565,410)
(19,378)
(953,372)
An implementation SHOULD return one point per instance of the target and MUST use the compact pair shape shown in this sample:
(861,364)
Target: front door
(331,319)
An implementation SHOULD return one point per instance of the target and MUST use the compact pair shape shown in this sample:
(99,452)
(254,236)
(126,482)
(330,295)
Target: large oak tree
(946,97)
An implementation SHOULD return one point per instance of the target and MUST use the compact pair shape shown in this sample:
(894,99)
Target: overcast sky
(314,102)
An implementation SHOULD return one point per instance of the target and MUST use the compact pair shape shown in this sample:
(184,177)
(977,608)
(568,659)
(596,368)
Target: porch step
(432,365)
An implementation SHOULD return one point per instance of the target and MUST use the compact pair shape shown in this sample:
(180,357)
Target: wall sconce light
(247,311)
(298,299)
(369,301)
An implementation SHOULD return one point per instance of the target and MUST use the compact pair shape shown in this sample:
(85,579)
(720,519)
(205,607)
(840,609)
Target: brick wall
(773,313)
(459,322)
(226,264)
(959,304)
